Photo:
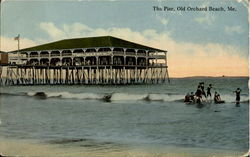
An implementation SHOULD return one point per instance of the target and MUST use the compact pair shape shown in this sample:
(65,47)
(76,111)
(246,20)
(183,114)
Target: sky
(199,43)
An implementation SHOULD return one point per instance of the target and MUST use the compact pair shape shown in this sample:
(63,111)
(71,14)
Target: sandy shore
(28,148)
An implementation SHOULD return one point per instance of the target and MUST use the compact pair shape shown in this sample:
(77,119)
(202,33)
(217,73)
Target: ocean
(138,120)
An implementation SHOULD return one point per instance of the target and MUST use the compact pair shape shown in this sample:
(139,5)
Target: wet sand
(28,148)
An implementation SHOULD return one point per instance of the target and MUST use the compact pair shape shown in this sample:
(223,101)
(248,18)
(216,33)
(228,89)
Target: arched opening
(151,61)
(118,60)
(104,49)
(34,54)
(44,54)
(151,52)
(104,60)
(55,62)
(141,61)
(34,62)
(117,49)
(78,61)
(44,61)
(66,53)
(90,50)
(78,51)
(24,54)
(67,61)
(130,51)
(141,52)
(90,61)
(55,53)
(130,60)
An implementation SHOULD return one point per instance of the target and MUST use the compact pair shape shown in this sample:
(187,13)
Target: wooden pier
(70,75)
(110,61)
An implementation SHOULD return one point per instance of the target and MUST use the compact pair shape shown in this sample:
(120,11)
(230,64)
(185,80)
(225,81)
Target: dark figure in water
(209,90)
(187,98)
(217,98)
(40,95)
(238,96)
(198,92)
(107,97)
(191,97)
(202,89)
(198,100)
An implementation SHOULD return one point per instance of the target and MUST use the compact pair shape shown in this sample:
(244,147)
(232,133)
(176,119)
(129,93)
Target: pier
(96,60)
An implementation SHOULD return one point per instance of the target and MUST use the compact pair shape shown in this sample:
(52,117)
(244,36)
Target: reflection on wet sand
(88,148)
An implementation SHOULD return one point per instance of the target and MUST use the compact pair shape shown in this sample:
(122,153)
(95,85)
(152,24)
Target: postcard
(121,78)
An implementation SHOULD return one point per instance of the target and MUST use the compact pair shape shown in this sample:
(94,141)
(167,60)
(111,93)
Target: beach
(27,148)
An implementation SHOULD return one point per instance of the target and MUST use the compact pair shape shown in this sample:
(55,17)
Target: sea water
(136,117)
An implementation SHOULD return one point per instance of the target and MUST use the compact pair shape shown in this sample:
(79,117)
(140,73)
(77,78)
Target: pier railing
(86,54)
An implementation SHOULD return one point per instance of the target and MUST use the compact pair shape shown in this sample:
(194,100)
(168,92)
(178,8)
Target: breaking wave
(166,97)
(127,96)
(67,95)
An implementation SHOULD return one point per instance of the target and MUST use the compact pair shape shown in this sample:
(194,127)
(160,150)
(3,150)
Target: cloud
(162,20)
(184,58)
(52,30)
(233,29)
(9,44)
(205,19)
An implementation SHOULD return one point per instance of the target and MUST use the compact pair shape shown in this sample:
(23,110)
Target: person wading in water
(237,92)
(202,89)
(209,90)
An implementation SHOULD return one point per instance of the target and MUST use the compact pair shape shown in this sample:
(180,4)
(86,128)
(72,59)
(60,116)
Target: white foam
(232,98)
(67,95)
(131,96)
(31,93)
(165,97)
(55,94)
(127,96)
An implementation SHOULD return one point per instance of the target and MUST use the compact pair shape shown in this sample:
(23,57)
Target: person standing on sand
(237,96)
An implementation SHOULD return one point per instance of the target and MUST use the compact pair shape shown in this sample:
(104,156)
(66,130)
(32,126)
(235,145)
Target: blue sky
(25,17)
(46,21)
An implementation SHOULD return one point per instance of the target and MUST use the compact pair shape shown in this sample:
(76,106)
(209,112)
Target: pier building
(92,60)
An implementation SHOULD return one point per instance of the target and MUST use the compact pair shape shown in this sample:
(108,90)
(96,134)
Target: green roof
(90,42)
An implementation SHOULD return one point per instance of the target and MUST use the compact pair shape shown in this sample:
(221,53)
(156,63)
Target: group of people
(200,92)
